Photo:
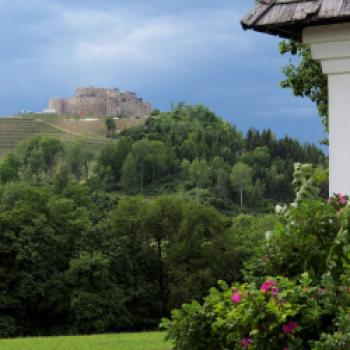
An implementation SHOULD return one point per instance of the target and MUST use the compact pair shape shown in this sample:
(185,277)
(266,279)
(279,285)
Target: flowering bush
(279,314)
(284,313)
(301,241)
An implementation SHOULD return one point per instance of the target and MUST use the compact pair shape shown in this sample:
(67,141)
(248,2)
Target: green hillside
(15,130)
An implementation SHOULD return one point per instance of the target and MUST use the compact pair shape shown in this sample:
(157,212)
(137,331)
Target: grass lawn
(124,341)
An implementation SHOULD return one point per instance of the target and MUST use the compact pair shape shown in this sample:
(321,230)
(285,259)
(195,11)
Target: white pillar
(330,44)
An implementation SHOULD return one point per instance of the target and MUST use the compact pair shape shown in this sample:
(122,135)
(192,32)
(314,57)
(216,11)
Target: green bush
(301,241)
(247,235)
(279,314)
(301,310)
(336,341)
(7,327)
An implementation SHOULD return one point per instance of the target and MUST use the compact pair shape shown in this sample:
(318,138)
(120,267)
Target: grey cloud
(166,50)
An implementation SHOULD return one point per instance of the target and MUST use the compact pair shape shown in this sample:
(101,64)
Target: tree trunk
(141,180)
(241,194)
(161,277)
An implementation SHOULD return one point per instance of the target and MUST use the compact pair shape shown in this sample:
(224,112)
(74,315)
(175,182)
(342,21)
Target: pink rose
(289,327)
(275,291)
(267,286)
(236,298)
(245,342)
(341,199)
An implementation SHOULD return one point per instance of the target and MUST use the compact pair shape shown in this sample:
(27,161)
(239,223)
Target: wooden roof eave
(293,30)
(285,32)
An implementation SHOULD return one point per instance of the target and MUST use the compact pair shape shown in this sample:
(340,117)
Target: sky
(168,51)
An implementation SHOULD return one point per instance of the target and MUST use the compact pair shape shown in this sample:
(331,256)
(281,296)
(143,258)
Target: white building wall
(330,45)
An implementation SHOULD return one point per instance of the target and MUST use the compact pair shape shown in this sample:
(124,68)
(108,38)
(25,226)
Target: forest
(115,241)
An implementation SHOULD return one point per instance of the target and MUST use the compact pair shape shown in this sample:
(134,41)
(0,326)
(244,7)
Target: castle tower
(56,105)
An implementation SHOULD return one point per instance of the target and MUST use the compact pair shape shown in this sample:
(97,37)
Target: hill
(191,151)
(188,150)
(87,127)
(15,130)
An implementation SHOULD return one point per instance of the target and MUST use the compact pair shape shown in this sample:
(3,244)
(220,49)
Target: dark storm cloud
(167,51)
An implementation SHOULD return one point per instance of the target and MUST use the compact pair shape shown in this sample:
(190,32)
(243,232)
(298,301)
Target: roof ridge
(268,2)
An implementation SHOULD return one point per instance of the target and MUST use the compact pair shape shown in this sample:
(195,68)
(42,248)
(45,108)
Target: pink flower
(236,298)
(341,198)
(267,286)
(289,327)
(275,291)
(245,342)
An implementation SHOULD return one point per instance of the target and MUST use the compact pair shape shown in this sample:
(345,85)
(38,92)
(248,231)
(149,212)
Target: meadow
(125,341)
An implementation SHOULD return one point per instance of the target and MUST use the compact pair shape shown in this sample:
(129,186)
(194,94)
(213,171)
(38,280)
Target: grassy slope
(132,341)
(85,126)
(15,130)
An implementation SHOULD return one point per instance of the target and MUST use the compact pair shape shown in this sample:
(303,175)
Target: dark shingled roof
(288,18)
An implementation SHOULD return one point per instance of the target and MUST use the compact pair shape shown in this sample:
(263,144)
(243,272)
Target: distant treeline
(188,150)
(191,151)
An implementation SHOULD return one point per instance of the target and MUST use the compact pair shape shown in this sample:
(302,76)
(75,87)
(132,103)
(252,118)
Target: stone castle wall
(101,102)
(56,104)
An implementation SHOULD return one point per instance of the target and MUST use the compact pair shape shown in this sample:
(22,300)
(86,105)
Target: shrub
(279,314)
(247,235)
(336,341)
(7,327)
(301,241)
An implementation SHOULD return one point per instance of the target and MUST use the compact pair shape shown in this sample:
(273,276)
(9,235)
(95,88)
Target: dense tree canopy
(116,241)
(64,271)
(197,151)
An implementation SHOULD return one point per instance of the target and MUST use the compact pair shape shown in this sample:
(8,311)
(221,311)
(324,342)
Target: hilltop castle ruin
(100,102)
